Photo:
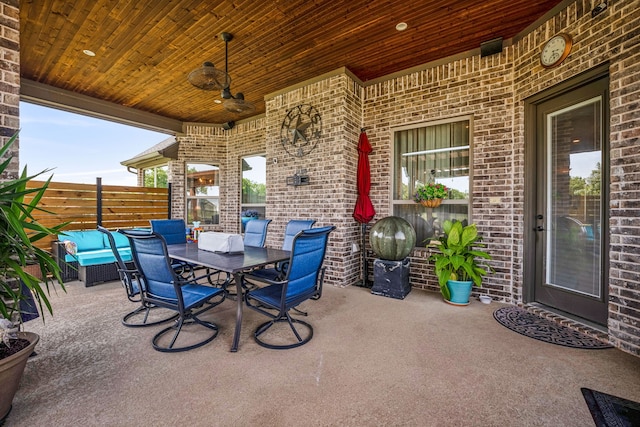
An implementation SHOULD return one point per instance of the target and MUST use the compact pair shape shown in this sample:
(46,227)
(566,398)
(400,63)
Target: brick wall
(493,90)
(199,144)
(331,166)
(477,87)
(9,81)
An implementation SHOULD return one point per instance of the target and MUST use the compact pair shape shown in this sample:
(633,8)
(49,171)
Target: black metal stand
(365,266)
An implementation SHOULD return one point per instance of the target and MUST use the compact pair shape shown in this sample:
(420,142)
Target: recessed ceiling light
(217,101)
(401,26)
(88,52)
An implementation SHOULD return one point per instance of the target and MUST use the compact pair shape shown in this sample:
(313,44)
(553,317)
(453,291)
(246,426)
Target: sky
(79,148)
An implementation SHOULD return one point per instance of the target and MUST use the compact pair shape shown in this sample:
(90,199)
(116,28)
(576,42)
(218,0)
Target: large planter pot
(392,238)
(460,292)
(11,369)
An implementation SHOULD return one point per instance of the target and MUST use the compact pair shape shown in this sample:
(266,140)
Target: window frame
(187,197)
(155,168)
(392,131)
(250,206)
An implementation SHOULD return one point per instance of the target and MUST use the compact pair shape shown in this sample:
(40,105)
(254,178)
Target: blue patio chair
(131,283)
(303,281)
(163,287)
(255,232)
(291,230)
(174,232)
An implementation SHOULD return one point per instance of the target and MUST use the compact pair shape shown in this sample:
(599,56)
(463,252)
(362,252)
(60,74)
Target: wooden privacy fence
(87,205)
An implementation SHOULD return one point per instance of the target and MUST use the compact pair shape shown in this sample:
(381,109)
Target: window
(156,177)
(434,153)
(203,193)
(254,187)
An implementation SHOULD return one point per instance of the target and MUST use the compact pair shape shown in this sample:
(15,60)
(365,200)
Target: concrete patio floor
(373,361)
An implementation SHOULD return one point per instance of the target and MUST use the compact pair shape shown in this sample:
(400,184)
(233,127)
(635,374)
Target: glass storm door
(571,200)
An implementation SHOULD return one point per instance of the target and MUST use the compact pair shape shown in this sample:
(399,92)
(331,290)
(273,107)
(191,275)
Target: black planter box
(391,278)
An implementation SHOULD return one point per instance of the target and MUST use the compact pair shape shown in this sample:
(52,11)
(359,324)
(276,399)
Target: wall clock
(555,50)
(301,130)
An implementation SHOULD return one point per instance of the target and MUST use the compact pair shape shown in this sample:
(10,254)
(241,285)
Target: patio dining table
(232,263)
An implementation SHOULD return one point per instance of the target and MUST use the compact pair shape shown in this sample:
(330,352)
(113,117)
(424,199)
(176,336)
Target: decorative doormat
(533,326)
(609,411)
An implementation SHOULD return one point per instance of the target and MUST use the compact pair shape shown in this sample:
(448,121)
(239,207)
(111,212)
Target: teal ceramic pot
(392,238)
(460,292)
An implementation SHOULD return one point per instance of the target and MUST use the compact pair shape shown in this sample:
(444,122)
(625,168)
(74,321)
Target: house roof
(157,155)
(145,50)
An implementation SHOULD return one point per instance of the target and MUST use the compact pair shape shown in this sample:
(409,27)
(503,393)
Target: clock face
(555,50)
(301,130)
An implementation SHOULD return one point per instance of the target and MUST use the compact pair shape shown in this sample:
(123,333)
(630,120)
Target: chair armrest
(260,279)
(69,271)
(58,250)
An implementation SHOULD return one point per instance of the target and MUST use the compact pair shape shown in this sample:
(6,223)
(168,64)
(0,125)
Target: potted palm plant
(459,263)
(18,233)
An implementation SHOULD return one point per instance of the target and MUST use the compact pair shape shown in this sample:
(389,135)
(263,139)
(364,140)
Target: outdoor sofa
(87,256)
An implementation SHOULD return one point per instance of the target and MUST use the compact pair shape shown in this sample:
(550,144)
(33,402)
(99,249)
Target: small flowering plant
(250,213)
(430,191)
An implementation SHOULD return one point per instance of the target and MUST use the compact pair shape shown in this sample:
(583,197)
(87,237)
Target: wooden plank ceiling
(145,49)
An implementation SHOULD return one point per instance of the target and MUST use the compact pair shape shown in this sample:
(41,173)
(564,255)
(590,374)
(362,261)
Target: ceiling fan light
(226,93)
(208,77)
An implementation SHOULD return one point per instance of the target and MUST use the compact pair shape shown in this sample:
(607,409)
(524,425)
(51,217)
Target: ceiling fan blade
(238,105)
(208,77)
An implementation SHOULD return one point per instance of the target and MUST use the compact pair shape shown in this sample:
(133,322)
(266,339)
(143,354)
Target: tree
(594,180)
(253,192)
(577,185)
(156,177)
(587,187)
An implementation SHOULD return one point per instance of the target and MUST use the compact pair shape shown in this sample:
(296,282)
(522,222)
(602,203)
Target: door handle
(539,228)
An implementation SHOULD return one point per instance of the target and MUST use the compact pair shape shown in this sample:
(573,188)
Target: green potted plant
(459,264)
(18,233)
(431,194)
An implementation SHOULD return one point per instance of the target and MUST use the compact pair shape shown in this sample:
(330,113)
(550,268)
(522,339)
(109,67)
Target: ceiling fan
(208,77)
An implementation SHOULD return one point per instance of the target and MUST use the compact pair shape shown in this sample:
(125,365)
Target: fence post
(99,200)
(169,202)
